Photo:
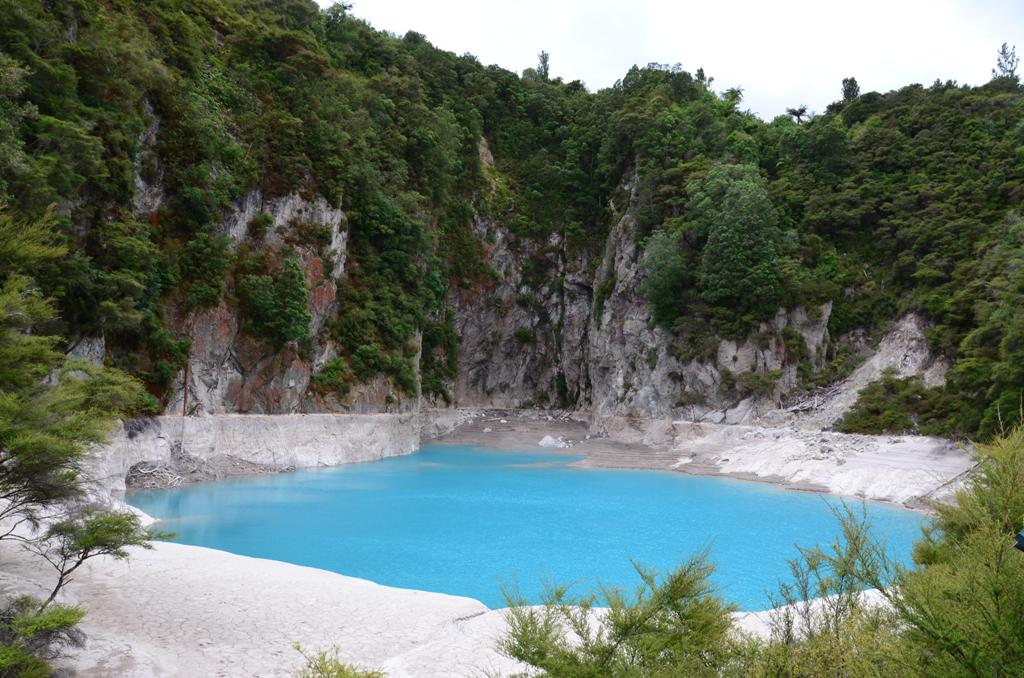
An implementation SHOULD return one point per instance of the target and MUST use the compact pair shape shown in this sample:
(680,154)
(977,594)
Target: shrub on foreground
(31,637)
(673,626)
(326,664)
(51,410)
(959,611)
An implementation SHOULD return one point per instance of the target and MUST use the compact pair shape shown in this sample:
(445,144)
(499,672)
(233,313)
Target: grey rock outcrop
(518,341)
(149,189)
(582,337)
(288,215)
(91,350)
(636,371)
(904,349)
(230,371)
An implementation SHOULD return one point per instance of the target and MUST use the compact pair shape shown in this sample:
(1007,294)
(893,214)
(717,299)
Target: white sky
(781,54)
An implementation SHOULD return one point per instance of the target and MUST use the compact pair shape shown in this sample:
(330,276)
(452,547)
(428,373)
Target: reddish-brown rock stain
(322,292)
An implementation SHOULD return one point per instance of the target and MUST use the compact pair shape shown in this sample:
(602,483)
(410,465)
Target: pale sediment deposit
(900,469)
(189,611)
(208,448)
(909,470)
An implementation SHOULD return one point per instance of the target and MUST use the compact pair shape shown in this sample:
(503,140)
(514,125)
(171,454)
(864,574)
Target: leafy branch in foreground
(51,409)
(849,610)
(824,621)
(674,625)
(30,638)
(89,532)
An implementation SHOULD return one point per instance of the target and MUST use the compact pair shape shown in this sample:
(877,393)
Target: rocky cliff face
(904,350)
(557,326)
(522,340)
(229,371)
(584,339)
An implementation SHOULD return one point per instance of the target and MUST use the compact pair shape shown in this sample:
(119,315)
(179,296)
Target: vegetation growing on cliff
(896,405)
(51,408)
(276,307)
(884,203)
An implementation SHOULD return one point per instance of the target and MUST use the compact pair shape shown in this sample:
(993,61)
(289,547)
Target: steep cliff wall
(523,339)
(557,326)
(637,369)
(231,371)
(582,337)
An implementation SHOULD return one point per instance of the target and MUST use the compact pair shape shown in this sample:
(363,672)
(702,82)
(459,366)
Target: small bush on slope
(896,405)
(277,308)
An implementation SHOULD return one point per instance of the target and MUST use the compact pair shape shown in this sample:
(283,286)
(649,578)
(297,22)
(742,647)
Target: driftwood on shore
(186,469)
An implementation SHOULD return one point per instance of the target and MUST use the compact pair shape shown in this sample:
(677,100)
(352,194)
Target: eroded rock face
(557,326)
(630,366)
(904,349)
(518,341)
(148,179)
(583,338)
(288,215)
(634,370)
(230,371)
(91,350)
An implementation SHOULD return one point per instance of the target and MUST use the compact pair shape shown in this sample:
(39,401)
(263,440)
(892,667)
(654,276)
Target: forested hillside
(148,124)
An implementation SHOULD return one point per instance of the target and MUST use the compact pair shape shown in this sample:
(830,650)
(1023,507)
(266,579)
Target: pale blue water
(465,521)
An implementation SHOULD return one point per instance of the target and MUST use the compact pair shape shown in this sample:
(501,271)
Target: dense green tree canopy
(51,408)
(884,203)
(739,264)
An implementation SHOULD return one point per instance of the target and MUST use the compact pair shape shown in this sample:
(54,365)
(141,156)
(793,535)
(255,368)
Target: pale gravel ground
(909,470)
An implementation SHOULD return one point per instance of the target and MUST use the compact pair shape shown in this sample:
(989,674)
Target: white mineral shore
(188,611)
(901,469)
(277,442)
(907,470)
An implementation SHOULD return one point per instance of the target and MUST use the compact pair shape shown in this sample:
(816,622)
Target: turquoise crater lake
(466,520)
